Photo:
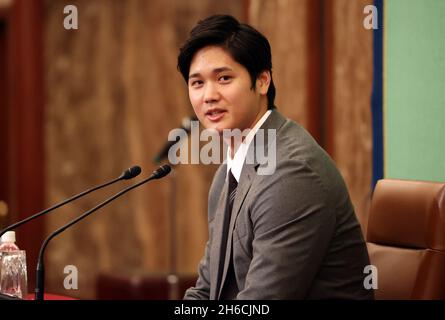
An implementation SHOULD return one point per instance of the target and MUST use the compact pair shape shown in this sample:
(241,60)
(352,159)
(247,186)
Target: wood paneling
(4,118)
(349,106)
(5,191)
(25,147)
(284,23)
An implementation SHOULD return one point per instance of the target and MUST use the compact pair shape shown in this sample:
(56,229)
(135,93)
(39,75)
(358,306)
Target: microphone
(130,173)
(40,272)
(186,126)
(126,175)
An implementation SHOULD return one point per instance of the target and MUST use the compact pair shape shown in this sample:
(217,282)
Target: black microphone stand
(40,271)
(127,174)
(19,223)
(172,278)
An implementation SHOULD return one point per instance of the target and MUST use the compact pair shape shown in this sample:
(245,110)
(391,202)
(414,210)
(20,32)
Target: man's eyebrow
(216,70)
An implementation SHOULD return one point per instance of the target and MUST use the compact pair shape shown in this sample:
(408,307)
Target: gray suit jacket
(293,234)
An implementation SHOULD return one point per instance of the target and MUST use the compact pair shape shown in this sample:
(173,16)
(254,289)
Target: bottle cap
(8,237)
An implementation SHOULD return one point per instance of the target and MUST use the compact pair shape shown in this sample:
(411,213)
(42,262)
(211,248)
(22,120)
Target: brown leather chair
(406,239)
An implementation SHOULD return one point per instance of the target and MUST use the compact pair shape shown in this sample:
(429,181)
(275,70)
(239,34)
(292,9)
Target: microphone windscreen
(132,172)
(161,172)
(187,123)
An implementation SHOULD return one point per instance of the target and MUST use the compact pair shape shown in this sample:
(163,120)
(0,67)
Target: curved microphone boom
(186,127)
(40,272)
(126,175)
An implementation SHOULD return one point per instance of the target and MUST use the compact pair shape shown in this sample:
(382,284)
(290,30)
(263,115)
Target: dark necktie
(232,192)
(226,223)
(232,184)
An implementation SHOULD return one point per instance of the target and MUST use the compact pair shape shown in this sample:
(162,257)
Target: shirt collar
(236,164)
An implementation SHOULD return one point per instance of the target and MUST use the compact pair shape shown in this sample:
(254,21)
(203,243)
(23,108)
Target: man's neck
(234,145)
(235,160)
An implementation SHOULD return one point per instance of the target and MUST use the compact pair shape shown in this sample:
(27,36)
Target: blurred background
(79,106)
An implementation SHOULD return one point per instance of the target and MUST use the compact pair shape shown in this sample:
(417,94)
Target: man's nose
(211,93)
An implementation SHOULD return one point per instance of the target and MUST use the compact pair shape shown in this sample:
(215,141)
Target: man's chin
(217,127)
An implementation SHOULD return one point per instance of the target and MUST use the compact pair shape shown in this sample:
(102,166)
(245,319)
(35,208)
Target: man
(288,233)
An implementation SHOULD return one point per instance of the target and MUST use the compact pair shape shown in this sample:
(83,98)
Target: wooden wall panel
(113,94)
(25,148)
(4,117)
(284,23)
(349,102)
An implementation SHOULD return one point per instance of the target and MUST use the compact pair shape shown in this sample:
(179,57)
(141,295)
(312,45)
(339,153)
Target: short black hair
(246,45)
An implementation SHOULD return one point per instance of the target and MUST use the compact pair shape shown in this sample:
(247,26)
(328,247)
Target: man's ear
(263,82)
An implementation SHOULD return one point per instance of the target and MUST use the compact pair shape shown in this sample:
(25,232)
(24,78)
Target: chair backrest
(406,239)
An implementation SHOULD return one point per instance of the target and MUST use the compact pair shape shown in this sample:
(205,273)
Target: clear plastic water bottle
(7,242)
(13,271)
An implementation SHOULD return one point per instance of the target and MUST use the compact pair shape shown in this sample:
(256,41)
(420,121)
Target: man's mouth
(215,114)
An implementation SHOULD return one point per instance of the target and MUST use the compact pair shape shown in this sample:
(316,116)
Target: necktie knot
(232,188)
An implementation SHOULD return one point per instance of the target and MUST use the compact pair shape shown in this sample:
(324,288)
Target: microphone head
(187,123)
(161,172)
(130,173)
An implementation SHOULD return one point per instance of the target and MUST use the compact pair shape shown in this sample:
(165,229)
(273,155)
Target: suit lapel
(215,265)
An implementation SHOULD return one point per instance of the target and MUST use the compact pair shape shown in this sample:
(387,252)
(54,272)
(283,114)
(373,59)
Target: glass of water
(13,274)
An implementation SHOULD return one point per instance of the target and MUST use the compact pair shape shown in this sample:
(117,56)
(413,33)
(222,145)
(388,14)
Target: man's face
(220,91)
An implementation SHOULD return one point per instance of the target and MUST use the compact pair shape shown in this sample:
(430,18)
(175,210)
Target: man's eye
(225,78)
(196,83)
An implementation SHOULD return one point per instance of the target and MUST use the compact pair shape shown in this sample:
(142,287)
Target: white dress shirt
(236,163)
